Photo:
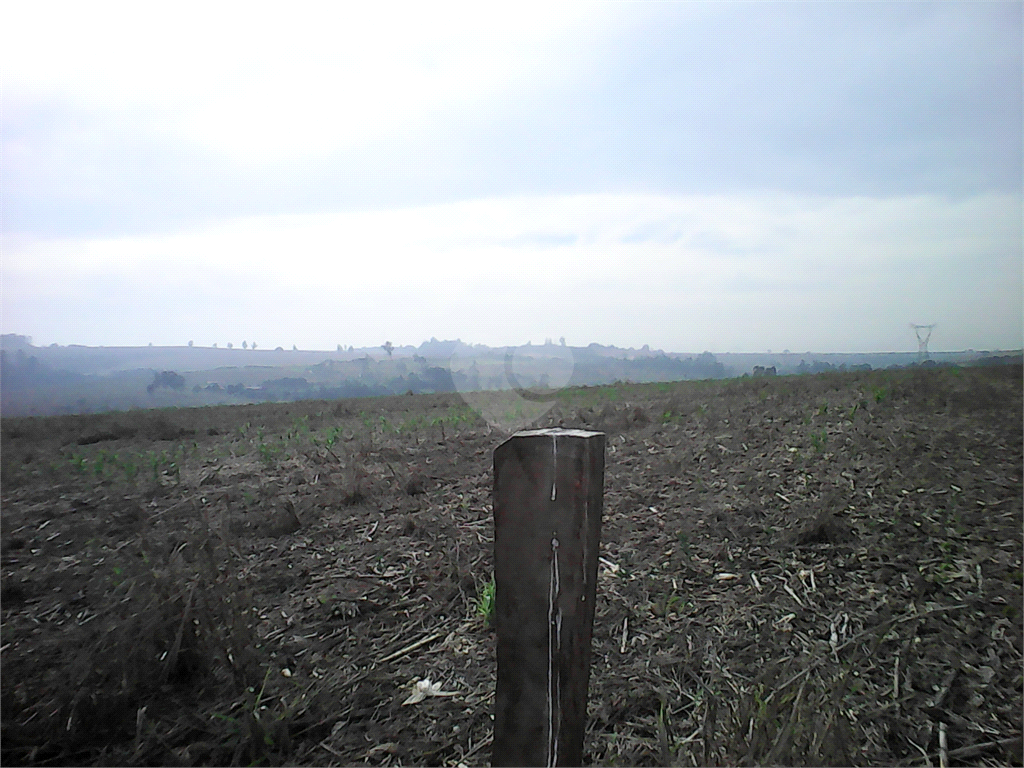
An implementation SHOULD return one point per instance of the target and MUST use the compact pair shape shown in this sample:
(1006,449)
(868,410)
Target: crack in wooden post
(548,497)
(554,689)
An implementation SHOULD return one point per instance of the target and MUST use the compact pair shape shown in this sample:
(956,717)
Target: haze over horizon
(377,350)
(720,176)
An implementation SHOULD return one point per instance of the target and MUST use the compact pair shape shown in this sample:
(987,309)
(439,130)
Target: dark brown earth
(802,570)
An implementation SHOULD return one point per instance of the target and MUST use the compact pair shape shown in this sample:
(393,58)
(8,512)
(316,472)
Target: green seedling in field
(130,469)
(485,602)
(945,573)
(670,417)
(818,440)
(880,393)
(669,604)
(269,452)
(98,462)
(461,415)
(684,545)
(823,409)
(154,464)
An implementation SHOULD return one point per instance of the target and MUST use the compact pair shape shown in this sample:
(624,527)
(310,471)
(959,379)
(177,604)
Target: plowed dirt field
(809,570)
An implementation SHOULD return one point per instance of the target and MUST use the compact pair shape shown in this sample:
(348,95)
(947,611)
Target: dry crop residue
(808,570)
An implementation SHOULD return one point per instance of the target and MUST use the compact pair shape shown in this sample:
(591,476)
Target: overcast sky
(694,176)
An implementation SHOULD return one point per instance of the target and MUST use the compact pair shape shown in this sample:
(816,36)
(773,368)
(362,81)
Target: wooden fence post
(548,495)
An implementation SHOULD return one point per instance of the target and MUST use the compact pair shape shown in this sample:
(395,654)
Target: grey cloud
(540,240)
(721,245)
(810,97)
(828,98)
(662,233)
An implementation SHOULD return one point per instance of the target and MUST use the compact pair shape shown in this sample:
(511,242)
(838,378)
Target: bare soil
(796,570)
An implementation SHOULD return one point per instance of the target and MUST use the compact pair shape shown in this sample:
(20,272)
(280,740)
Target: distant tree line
(20,370)
(597,369)
(819,366)
(433,379)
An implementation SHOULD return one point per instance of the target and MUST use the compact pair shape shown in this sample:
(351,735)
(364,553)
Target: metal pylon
(924,332)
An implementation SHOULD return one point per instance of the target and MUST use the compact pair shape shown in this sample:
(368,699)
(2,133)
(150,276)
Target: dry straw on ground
(804,570)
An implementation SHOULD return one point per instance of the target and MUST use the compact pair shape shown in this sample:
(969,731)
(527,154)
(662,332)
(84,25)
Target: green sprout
(485,602)
(130,469)
(818,440)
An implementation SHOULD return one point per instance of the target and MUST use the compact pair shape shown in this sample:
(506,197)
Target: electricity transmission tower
(924,332)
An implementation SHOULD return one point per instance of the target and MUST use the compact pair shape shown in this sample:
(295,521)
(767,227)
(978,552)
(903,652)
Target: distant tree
(279,349)
(190,342)
(562,341)
(151,343)
(253,345)
(168,379)
(439,379)
(245,345)
(230,345)
(339,347)
(388,347)
(295,348)
(215,345)
(14,340)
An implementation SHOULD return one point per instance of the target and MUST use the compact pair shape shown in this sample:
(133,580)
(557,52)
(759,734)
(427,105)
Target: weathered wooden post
(548,495)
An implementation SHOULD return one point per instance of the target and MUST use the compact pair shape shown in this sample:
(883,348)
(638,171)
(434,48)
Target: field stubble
(803,570)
